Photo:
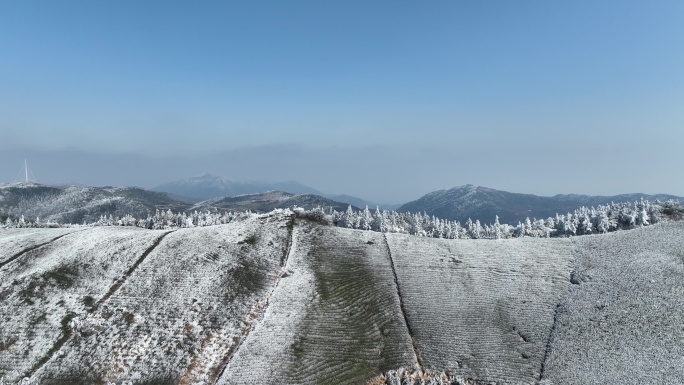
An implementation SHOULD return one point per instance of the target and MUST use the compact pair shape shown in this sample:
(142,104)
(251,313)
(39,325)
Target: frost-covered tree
(600,219)
(475,229)
(380,221)
(643,218)
(520,230)
(498,234)
(365,220)
(349,218)
(603,222)
(569,225)
(528,227)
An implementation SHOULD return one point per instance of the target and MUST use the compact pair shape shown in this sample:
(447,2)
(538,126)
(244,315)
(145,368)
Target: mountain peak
(484,203)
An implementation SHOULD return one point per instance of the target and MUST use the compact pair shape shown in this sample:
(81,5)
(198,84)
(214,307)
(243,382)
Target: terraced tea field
(334,319)
(482,309)
(271,299)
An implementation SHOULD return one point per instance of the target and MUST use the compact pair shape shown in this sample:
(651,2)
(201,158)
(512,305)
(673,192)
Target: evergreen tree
(366,220)
(348,218)
(380,221)
(498,234)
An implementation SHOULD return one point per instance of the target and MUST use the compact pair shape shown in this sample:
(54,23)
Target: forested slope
(273,299)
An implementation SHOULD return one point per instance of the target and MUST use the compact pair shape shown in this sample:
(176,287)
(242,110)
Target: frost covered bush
(673,210)
(23,381)
(86,326)
(415,377)
(317,215)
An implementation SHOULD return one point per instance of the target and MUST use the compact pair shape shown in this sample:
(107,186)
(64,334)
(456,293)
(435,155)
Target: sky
(386,100)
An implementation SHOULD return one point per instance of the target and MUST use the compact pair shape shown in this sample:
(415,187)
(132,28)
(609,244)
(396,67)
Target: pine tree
(349,218)
(498,234)
(520,230)
(377,223)
(365,220)
(528,227)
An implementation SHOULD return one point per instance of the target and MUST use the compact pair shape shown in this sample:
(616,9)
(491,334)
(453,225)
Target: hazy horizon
(379,181)
(385,101)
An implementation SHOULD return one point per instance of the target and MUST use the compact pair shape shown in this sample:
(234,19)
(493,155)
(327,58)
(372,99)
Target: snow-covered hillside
(482,203)
(272,299)
(622,321)
(268,201)
(484,308)
(45,287)
(76,204)
(334,319)
(15,241)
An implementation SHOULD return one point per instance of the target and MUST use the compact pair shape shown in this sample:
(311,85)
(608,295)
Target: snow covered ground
(44,288)
(265,300)
(335,319)
(623,320)
(14,241)
(180,313)
(482,309)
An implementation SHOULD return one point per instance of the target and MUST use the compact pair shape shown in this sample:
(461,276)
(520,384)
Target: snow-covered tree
(380,221)
(365,219)
(349,218)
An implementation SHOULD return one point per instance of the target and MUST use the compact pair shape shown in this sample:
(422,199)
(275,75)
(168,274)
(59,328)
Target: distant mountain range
(76,204)
(208,186)
(475,202)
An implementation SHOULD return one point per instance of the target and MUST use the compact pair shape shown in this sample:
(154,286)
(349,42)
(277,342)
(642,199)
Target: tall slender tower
(26,170)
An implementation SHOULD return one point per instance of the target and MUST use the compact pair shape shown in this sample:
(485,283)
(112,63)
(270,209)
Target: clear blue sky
(577,81)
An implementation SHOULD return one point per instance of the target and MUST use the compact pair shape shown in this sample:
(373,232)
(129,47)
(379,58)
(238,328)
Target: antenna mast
(26,175)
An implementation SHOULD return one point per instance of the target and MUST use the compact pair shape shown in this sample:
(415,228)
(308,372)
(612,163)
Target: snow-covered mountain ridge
(273,299)
(208,187)
(268,201)
(79,204)
(76,204)
(482,203)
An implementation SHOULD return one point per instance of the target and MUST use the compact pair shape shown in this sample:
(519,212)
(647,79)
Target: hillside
(268,299)
(268,201)
(76,204)
(484,204)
